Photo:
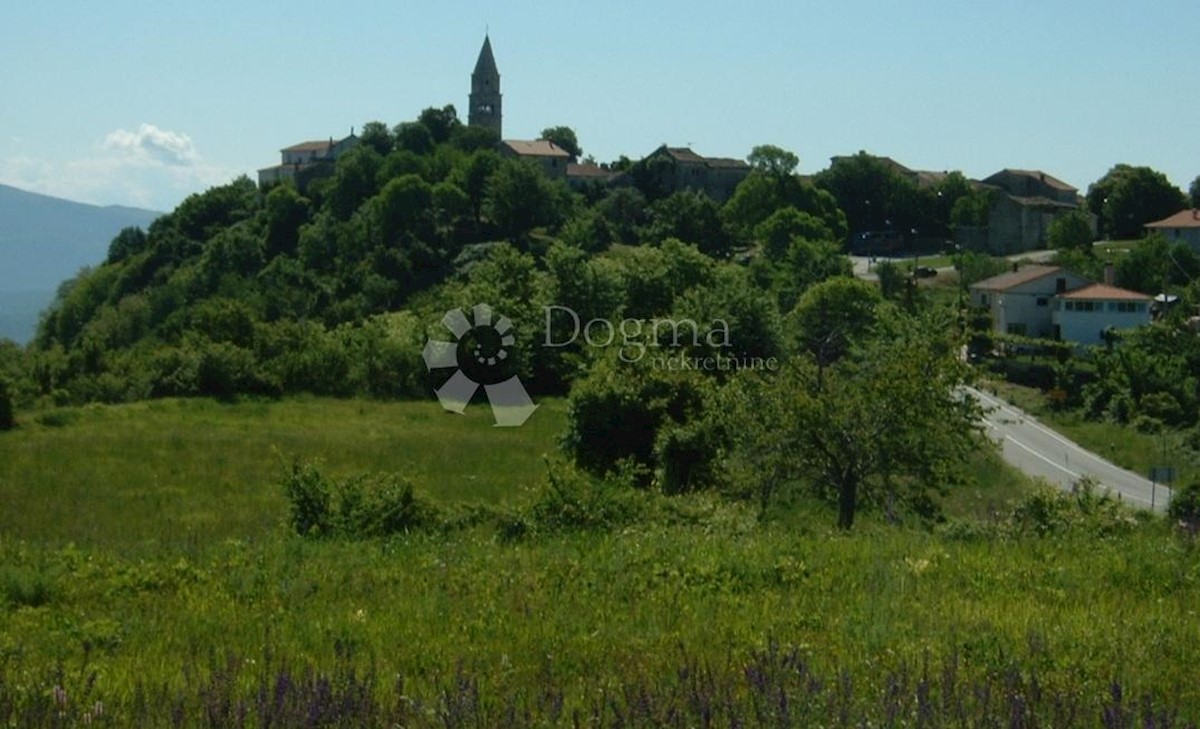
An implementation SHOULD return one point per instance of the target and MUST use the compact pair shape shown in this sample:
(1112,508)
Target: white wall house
(1020,300)
(297,157)
(1050,302)
(1083,315)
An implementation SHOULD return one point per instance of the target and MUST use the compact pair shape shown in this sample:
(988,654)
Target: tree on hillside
(519,197)
(414,137)
(886,426)
(831,316)
(764,192)
(377,136)
(286,212)
(769,159)
(565,138)
(1127,198)
(692,217)
(875,196)
(441,123)
(1072,231)
(777,232)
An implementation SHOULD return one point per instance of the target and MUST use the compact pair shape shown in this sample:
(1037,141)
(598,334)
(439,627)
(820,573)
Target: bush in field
(360,507)
(1185,504)
(572,500)
(616,412)
(7,420)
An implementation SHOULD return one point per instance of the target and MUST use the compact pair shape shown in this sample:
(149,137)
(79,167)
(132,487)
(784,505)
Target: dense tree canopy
(1127,198)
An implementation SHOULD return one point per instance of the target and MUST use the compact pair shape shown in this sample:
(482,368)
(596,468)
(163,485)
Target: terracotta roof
(586,170)
(319,146)
(1189,218)
(1048,179)
(535,148)
(1006,281)
(1104,292)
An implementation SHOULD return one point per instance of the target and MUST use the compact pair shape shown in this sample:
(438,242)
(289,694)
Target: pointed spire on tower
(486,65)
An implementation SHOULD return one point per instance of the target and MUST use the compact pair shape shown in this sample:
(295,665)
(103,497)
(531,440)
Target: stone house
(547,155)
(303,161)
(674,169)
(1024,204)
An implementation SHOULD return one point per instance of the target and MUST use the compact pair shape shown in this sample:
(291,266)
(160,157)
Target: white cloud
(151,167)
(149,143)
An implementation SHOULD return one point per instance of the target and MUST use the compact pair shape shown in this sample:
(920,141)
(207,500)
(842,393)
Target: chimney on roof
(1108,273)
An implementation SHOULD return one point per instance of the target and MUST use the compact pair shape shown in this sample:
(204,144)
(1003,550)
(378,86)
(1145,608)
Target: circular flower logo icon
(481,352)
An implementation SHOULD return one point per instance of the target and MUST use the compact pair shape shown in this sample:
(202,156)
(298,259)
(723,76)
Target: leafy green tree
(473,138)
(519,198)
(832,315)
(971,210)
(375,134)
(692,217)
(886,427)
(1127,198)
(1154,265)
(404,208)
(129,242)
(565,138)
(451,206)
(891,280)
(474,175)
(441,123)
(772,160)
(587,231)
(414,137)
(286,211)
(776,232)
(762,194)
(875,196)
(624,210)
(1072,231)
(353,181)
(806,263)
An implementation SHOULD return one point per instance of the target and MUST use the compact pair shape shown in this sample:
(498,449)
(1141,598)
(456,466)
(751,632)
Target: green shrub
(615,413)
(573,500)
(1185,504)
(687,455)
(308,495)
(359,507)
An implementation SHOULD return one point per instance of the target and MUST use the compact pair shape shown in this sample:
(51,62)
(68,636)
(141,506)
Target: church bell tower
(485,91)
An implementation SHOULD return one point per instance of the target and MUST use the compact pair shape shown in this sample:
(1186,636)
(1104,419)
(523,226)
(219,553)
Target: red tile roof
(1104,292)
(535,148)
(1189,218)
(1006,281)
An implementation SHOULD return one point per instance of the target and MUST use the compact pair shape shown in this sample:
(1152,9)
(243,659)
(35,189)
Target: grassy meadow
(149,576)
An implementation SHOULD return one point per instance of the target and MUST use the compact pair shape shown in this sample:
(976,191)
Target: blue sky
(142,103)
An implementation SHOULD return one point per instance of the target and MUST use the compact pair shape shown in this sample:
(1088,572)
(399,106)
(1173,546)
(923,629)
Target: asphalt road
(1041,452)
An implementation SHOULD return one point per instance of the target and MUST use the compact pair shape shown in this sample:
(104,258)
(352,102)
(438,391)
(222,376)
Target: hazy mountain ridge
(45,240)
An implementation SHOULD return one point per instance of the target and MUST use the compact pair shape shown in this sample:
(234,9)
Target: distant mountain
(45,240)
